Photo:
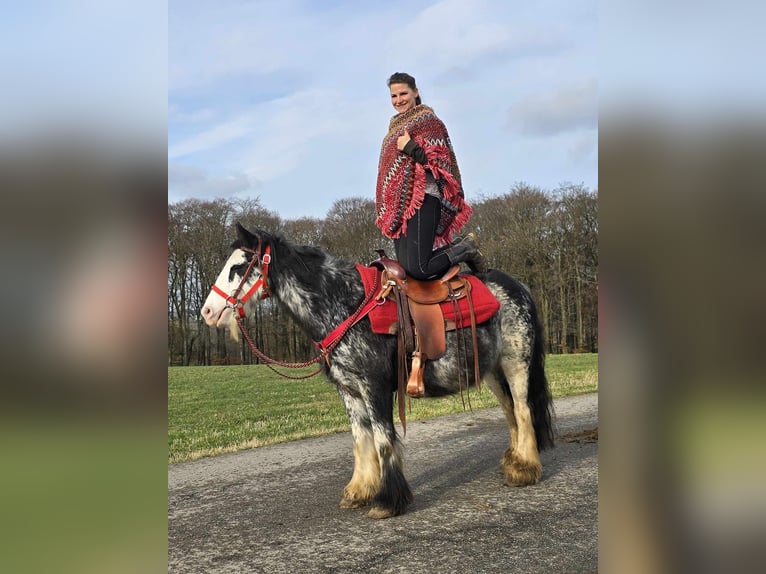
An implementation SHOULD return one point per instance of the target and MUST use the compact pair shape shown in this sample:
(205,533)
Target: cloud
(213,137)
(178,115)
(449,33)
(287,129)
(569,109)
(454,35)
(210,41)
(272,138)
(584,149)
(293,96)
(186,181)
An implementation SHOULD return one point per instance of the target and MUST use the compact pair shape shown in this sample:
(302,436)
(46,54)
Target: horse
(321,291)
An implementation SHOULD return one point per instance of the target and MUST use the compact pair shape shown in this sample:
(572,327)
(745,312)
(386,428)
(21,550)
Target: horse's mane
(305,261)
(309,254)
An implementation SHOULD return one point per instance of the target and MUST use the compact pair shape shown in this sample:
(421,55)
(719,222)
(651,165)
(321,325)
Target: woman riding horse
(419,195)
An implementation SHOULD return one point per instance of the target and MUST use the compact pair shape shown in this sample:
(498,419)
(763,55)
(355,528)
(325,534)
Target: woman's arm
(407,145)
(415,152)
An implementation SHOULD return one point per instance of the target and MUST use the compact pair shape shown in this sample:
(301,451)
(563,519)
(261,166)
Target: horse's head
(243,280)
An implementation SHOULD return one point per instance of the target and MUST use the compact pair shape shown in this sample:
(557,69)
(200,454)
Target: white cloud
(214,137)
(291,94)
(583,149)
(210,41)
(194,116)
(454,35)
(449,33)
(186,181)
(568,109)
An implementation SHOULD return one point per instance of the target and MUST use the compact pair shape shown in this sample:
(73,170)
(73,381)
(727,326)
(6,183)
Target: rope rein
(325,347)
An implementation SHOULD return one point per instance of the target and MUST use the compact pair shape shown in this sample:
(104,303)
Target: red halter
(239,303)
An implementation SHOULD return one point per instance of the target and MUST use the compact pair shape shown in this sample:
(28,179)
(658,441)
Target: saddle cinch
(421,324)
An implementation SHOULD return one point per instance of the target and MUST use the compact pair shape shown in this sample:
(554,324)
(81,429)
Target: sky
(287,100)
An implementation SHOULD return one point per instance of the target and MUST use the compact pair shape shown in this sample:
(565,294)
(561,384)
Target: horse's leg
(394,494)
(503,393)
(365,481)
(521,462)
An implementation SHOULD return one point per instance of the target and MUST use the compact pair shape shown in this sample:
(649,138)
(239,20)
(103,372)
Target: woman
(419,196)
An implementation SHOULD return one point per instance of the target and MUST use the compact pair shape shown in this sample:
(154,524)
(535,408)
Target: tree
(547,240)
(350,232)
(197,244)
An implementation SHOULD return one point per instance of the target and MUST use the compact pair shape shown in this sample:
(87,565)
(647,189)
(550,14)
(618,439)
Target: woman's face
(402,97)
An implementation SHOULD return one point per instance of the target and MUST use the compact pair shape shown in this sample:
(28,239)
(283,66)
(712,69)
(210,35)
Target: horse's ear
(244,235)
(249,239)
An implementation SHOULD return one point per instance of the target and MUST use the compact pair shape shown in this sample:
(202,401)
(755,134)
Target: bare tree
(349,230)
(304,231)
(547,240)
(579,224)
(197,242)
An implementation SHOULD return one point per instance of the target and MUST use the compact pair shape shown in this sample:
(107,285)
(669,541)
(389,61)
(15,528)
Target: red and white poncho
(402,180)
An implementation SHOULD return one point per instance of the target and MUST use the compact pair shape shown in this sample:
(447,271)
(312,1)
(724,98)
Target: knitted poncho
(402,181)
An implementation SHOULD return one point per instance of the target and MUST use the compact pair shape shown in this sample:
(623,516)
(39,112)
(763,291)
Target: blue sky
(287,100)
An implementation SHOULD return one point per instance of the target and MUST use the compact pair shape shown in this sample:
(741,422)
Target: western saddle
(422,327)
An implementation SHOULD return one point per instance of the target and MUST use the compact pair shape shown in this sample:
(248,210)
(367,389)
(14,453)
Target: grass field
(212,410)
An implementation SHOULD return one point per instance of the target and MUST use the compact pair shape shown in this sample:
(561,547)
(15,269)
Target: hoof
(356,498)
(518,472)
(378,513)
(353,502)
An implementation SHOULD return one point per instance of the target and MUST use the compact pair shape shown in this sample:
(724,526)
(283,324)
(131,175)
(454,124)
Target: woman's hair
(402,78)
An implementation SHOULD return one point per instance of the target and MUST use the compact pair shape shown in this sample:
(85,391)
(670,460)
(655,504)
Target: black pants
(415,250)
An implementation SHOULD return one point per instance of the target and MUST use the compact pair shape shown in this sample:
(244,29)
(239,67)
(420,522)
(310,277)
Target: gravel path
(275,509)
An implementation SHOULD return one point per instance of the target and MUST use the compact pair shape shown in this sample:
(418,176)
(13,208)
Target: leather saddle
(422,328)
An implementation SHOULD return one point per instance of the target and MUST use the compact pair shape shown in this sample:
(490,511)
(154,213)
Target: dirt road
(275,509)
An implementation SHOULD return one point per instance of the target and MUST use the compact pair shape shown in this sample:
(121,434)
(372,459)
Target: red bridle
(238,303)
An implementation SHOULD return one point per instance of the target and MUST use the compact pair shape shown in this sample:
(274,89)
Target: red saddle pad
(485,305)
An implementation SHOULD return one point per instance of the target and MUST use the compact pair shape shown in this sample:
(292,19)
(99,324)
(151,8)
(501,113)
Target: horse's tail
(538,392)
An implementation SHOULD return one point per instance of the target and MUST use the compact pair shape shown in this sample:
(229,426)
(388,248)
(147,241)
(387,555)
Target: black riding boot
(467,249)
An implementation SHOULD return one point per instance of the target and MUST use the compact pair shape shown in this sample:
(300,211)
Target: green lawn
(212,410)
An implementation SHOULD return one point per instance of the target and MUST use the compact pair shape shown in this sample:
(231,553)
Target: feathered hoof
(518,472)
(379,512)
(353,503)
(352,499)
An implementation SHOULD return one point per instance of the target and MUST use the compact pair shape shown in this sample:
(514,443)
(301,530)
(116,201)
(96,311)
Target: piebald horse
(321,291)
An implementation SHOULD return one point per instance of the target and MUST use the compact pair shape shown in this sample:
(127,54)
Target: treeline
(546,239)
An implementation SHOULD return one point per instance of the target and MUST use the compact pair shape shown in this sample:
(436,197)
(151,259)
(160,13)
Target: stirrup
(415,385)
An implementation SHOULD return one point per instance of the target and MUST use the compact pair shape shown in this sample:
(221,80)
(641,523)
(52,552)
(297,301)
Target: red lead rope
(331,340)
(325,346)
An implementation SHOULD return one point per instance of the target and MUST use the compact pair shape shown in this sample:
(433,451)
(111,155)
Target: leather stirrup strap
(459,354)
(474,340)
(400,390)
(402,371)
(406,344)
(404,317)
